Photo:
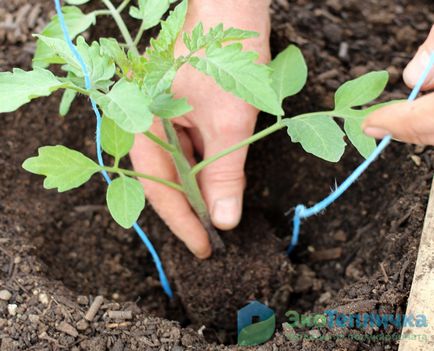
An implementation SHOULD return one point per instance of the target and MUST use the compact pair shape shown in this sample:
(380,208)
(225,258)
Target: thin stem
(190,186)
(313,114)
(122,6)
(130,173)
(166,146)
(139,34)
(101,12)
(78,89)
(262,134)
(122,26)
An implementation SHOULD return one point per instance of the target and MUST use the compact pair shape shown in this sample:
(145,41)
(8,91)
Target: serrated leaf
(361,91)
(150,12)
(76,22)
(165,106)
(111,48)
(128,106)
(161,72)
(101,68)
(59,52)
(114,140)
(19,87)
(216,35)
(236,72)
(170,29)
(289,74)
(65,169)
(125,201)
(67,99)
(318,135)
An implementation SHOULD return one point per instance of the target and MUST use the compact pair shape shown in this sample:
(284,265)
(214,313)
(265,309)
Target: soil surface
(58,252)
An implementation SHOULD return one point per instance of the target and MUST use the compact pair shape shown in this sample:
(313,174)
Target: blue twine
(302,212)
(163,279)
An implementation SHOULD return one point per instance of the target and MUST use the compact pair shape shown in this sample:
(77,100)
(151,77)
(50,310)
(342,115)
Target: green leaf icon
(257,333)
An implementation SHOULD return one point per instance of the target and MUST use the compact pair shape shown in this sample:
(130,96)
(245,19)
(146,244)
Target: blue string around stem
(163,279)
(301,212)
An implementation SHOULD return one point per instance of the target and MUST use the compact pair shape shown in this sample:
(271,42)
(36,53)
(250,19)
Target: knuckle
(227,177)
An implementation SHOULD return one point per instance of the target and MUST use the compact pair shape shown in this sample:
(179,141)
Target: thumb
(411,122)
(417,66)
(223,181)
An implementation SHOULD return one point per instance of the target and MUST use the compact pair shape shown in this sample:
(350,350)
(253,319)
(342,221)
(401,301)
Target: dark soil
(59,251)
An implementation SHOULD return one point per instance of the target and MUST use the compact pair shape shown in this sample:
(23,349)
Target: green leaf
(59,52)
(65,169)
(128,106)
(150,12)
(353,128)
(114,140)
(165,106)
(257,333)
(125,201)
(289,74)
(364,144)
(361,90)
(76,21)
(67,99)
(101,68)
(111,48)
(318,135)
(216,35)
(19,87)
(236,72)
(170,29)
(160,74)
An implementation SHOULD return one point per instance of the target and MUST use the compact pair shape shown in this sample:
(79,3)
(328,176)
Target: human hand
(218,120)
(411,122)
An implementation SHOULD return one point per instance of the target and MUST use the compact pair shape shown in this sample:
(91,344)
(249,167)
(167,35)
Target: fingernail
(378,133)
(416,67)
(226,213)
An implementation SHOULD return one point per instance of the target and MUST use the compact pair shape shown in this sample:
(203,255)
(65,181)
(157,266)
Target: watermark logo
(335,319)
(256,324)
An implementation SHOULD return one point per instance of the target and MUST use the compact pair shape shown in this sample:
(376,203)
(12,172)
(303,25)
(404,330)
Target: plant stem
(166,146)
(262,134)
(123,5)
(139,34)
(130,173)
(190,186)
(122,26)
(101,12)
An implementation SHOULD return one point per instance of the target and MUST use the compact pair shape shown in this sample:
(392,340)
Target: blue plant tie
(163,279)
(301,212)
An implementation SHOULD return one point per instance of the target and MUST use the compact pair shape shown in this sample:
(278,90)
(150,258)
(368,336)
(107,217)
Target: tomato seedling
(133,89)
